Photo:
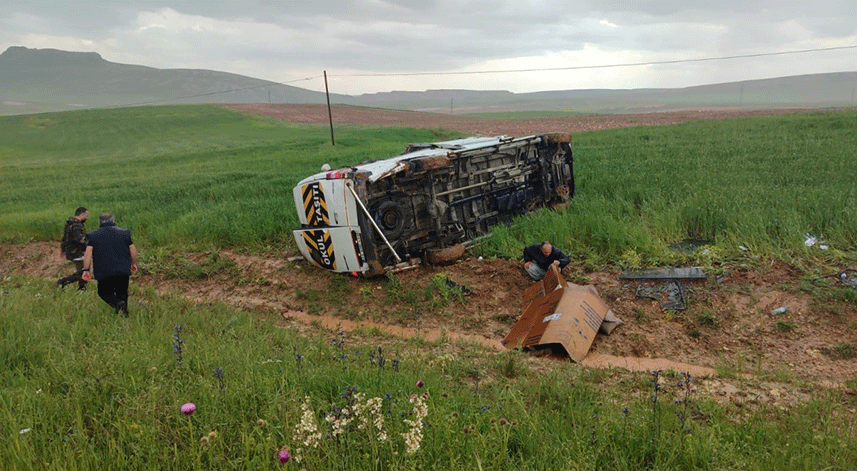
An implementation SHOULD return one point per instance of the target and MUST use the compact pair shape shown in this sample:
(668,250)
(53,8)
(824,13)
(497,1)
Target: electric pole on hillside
(329,114)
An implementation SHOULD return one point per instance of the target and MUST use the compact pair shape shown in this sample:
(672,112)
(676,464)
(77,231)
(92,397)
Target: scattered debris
(672,287)
(690,273)
(812,240)
(674,291)
(561,314)
(464,290)
(849,280)
(779,310)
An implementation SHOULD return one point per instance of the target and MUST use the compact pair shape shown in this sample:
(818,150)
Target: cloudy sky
(371,46)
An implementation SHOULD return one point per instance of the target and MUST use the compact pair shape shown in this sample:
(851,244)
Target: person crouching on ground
(539,257)
(112,257)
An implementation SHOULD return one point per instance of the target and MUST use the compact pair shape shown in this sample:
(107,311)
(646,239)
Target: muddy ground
(726,331)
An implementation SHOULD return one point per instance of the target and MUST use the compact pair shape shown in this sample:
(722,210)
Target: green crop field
(758,183)
(84,390)
(176,176)
(182,176)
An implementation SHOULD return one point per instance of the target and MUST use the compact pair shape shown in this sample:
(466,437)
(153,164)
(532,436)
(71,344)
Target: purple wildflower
(420,383)
(284,455)
(189,408)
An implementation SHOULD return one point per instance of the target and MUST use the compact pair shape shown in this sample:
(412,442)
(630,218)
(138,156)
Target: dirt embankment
(728,324)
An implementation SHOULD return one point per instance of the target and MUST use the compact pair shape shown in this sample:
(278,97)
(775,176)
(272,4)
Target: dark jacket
(72,235)
(111,255)
(533,253)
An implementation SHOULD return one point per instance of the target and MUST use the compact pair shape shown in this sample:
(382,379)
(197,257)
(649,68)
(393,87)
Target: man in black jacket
(112,257)
(539,257)
(73,246)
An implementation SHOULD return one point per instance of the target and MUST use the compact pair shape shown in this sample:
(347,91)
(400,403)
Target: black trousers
(114,289)
(76,276)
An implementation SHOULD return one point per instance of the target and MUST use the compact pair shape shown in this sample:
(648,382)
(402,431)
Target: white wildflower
(415,435)
(307,430)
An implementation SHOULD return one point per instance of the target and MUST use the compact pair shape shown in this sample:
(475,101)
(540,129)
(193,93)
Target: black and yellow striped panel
(320,248)
(315,207)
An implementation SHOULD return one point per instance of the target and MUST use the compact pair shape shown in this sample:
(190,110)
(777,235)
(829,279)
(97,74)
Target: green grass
(85,389)
(761,183)
(204,176)
(175,175)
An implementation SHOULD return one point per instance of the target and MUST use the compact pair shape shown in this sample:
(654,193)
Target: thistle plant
(298,359)
(381,361)
(687,406)
(656,406)
(218,373)
(178,343)
(339,343)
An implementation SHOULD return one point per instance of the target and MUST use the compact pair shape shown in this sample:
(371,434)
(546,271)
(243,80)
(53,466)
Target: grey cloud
(389,36)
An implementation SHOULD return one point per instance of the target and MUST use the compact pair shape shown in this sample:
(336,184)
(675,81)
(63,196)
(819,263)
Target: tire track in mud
(592,360)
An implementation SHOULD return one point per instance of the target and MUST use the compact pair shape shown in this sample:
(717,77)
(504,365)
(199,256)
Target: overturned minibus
(429,202)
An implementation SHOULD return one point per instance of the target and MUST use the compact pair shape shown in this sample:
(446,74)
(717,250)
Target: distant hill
(39,80)
(33,80)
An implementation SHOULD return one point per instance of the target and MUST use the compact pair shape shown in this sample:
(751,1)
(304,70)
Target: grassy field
(86,390)
(83,389)
(177,176)
(202,176)
(760,183)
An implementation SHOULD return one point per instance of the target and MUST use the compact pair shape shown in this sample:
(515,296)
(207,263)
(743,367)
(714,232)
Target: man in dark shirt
(73,245)
(539,257)
(112,256)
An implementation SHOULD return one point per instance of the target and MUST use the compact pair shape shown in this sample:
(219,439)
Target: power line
(605,66)
(506,71)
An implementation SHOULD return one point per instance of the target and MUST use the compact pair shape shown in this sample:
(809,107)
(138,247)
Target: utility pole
(329,114)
